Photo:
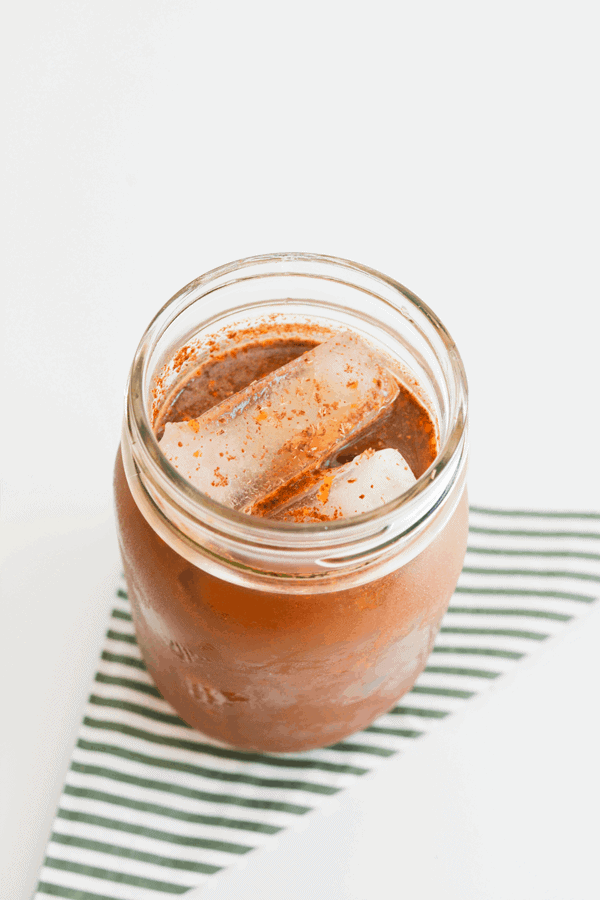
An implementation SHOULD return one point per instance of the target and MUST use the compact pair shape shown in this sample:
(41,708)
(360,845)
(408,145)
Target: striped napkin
(149,809)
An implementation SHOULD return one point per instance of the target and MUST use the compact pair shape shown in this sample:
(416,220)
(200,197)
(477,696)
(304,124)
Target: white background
(453,146)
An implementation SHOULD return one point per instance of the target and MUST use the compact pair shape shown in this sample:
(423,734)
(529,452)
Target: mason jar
(282,636)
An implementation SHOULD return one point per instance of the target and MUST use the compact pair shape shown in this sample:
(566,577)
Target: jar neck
(283,290)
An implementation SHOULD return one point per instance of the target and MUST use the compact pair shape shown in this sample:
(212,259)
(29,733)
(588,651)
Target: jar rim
(153,459)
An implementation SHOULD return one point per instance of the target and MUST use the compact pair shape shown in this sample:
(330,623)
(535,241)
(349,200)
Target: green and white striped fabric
(150,810)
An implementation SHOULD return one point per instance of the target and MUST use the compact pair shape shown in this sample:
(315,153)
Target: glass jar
(282,636)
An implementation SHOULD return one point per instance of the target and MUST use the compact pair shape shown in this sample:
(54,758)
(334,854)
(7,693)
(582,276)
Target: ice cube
(369,481)
(284,424)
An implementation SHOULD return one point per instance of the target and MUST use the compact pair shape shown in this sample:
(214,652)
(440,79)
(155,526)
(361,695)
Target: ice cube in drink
(283,425)
(368,481)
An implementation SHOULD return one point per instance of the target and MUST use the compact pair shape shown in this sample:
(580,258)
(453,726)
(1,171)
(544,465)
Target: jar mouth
(409,506)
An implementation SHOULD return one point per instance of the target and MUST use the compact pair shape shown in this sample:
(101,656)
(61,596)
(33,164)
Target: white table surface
(454,147)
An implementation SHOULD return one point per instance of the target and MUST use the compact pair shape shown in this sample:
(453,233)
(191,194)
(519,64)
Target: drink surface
(406,425)
(284,671)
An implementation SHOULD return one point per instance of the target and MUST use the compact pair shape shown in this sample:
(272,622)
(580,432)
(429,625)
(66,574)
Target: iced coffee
(291,502)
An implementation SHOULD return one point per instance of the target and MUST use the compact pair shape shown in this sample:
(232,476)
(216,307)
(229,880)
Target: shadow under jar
(284,636)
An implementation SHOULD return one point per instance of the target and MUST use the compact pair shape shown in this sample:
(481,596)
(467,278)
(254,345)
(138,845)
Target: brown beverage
(300,657)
